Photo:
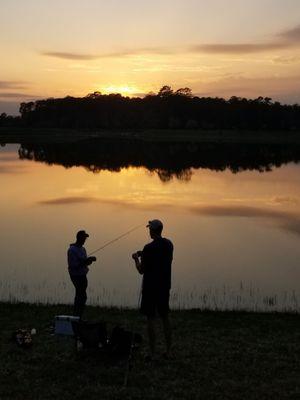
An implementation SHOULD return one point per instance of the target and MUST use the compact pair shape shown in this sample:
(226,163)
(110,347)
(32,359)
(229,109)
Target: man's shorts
(154,303)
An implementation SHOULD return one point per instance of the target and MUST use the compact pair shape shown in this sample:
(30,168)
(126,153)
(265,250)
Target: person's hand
(90,260)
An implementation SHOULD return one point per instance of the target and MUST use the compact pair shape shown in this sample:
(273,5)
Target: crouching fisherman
(154,263)
(78,262)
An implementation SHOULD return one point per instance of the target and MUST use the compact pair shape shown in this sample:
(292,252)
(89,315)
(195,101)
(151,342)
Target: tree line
(166,159)
(167,109)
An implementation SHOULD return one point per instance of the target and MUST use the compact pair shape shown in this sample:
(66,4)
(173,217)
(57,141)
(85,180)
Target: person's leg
(151,335)
(75,282)
(80,283)
(167,333)
(82,296)
(163,311)
(148,309)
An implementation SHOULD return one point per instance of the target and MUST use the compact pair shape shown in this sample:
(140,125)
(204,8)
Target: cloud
(237,211)
(12,169)
(281,41)
(68,200)
(13,85)
(285,200)
(214,48)
(286,60)
(284,220)
(291,35)
(238,48)
(7,157)
(287,221)
(117,54)
(69,56)
(86,199)
(282,88)
(16,95)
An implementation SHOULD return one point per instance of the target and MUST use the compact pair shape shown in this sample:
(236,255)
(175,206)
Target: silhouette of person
(154,263)
(78,262)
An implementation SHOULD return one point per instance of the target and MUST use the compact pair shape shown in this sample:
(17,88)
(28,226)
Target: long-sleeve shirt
(77,260)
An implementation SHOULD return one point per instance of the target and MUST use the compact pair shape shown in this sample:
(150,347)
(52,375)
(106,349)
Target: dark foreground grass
(218,355)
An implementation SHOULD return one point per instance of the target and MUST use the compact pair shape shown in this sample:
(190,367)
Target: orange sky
(227,47)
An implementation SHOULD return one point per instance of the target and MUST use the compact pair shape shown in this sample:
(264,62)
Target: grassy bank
(218,355)
(43,135)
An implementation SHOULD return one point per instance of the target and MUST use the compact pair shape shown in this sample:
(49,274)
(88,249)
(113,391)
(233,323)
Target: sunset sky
(54,48)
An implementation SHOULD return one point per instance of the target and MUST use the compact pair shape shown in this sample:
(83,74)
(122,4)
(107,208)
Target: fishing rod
(116,239)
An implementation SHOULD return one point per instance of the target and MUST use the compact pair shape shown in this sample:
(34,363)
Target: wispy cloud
(285,200)
(280,41)
(126,203)
(237,211)
(16,95)
(13,85)
(238,48)
(287,60)
(7,157)
(12,169)
(289,222)
(116,54)
(274,86)
(291,35)
(286,221)
(67,200)
(69,56)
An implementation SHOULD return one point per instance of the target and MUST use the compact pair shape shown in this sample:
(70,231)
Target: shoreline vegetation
(170,113)
(168,158)
(217,355)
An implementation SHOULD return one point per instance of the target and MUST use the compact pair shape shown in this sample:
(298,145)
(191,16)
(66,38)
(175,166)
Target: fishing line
(116,239)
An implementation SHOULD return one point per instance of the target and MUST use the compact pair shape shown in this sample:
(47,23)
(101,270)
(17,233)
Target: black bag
(121,341)
(91,334)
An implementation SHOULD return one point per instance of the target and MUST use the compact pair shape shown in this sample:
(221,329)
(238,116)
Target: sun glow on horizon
(124,90)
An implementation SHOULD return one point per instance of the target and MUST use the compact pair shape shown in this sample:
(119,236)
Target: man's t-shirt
(76,260)
(157,259)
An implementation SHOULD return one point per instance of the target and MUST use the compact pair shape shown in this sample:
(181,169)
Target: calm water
(236,235)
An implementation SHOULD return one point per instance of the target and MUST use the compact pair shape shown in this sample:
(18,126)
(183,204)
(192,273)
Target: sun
(124,90)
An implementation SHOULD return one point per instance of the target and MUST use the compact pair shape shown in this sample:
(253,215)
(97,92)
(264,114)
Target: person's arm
(89,260)
(77,260)
(138,261)
(85,260)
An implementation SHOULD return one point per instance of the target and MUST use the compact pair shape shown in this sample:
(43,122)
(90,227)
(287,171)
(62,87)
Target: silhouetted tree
(168,109)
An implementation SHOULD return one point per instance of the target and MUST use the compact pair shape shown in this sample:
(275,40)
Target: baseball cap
(82,233)
(155,224)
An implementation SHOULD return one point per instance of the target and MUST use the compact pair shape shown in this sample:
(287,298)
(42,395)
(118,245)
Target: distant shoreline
(51,135)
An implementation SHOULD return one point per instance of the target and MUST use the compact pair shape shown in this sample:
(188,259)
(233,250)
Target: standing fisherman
(78,262)
(154,263)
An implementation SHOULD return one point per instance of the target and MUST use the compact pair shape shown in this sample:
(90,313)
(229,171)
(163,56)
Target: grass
(55,135)
(218,355)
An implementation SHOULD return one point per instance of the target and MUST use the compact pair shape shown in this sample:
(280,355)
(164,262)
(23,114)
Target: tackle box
(63,324)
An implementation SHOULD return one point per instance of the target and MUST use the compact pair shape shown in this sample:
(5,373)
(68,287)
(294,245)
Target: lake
(233,216)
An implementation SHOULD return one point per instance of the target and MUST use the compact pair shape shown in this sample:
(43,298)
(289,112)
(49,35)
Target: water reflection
(166,159)
(227,227)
